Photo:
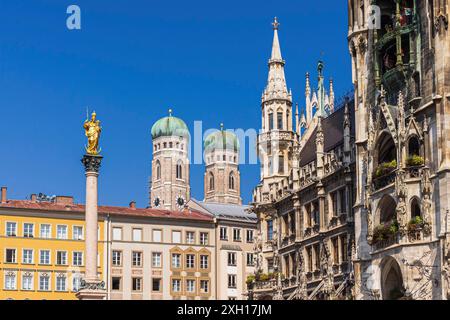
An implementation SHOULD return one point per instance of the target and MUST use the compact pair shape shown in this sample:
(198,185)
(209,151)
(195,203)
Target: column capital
(92,163)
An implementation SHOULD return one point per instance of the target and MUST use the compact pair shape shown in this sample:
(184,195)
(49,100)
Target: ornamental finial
(170,112)
(221,126)
(275,23)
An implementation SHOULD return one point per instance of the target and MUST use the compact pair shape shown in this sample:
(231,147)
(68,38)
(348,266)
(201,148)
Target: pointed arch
(179,169)
(211,181)
(231,181)
(415,208)
(158,170)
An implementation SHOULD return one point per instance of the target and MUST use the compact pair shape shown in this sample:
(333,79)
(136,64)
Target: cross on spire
(275,23)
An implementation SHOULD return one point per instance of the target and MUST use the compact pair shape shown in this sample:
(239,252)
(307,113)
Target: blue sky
(131,61)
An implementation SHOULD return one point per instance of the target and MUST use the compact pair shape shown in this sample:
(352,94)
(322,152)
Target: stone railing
(275,135)
(265,285)
(385,243)
(414,171)
(383,181)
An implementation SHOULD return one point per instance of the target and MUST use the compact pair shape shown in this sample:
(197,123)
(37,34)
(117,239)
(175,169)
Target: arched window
(386,209)
(158,170)
(386,149)
(231,181)
(413,146)
(211,181)
(271,121)
(415,208)
(179,170)
(281,164)
(280,120)
(287,120)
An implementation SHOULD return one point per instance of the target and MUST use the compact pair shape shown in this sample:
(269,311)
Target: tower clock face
(180,202)
(156,202)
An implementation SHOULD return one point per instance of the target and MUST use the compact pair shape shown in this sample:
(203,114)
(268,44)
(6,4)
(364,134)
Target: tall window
(117,234)
(280,120)
(232,258)
(158,170)
(61,284)
(28,230)
(77,258)
(45,231)
(271,121)
(203,238)
(190,237)
(204,286)
(281,164)
(156,285)
(236,234)
(231,181)
(176,236)
(157,235)
(136,259)
(335,250)
(179,170)
(77,233)
(249,235)
(190,261)
(176,285)
(61,258)
(269,229)
(343,202)
(27,256)
(250,259)
(137,234)
(10,281)
(44,282)
(27,281)
(156,259)
(10,256)
(11,229)
(176,260)
(61,232)
(223,233)
(76,282)
(116,258)
(204,262)
(136,284)
(116,283)
(44,257)
(232,281)
(211,181)
(190,285)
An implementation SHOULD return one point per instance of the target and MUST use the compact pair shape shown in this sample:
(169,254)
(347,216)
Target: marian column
(92,287)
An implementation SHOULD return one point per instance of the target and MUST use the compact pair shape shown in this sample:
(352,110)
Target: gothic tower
(170,164)
(276,140)
(222,176)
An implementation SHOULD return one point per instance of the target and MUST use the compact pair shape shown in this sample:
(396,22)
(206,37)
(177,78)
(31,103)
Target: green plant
(414,160)
(263,277)
(385,231)
(250,279)
(385,168)
(415,223)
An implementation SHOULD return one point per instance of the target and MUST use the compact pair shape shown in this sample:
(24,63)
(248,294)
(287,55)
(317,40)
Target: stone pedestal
(91,287)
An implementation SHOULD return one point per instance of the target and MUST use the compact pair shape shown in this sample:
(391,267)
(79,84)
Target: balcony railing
(264,285)
(385,243)
(414,171)
(384,180)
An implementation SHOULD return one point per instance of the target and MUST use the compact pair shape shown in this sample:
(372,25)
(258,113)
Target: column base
(91,290)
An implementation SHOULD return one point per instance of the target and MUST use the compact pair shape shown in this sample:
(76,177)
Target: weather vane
(275,23)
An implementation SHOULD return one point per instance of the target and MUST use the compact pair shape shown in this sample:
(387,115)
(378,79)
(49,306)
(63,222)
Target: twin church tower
(170,181)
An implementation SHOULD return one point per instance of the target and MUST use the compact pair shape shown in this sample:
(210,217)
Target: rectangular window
(176,285)
(28,230)
(203,238)
(156,285)
(137,234)
(250,259)
(77,233)
(27,256)
(236,234)
(76,282)
(136,284)
(117,258)
(157,235)
(190,286)
(249,236)
(77,258)
(11,229)
(335,250)
(270,230)
(116,283)
(176,260)
(27,281)
(61,283)
(343,202)
(204,262)
(45,231)
(223,233)
(10,281)
(117,234)
(44,282)
(232,258)
(270,121)
(232,281)
(310,259)
(190,237)
(280,120)
(10,255)
(136,259)
(334,205)
(344,248)
(156,259)
(61,232)
(190,261)
(176,236)
(280,164)
(204,286)
(61,258)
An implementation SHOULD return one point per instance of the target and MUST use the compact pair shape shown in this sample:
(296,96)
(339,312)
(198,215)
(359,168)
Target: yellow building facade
(42,249)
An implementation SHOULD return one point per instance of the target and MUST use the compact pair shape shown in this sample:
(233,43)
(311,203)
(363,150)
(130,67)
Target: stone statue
(92,131)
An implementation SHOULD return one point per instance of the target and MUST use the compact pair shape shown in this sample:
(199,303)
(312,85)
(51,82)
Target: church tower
(222,176)
(276,140)
(170,187)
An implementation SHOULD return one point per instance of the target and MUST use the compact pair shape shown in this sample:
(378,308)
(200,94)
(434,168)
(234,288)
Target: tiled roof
(112,210)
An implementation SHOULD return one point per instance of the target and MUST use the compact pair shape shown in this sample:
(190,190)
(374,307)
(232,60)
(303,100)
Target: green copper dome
(221,140)
(169,126)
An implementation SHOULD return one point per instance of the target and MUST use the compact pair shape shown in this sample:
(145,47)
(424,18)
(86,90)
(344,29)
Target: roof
(221,140)
(169,126)
(104,210)
(333,132)
(228,211)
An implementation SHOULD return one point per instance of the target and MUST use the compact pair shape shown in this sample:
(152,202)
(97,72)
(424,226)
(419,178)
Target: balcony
(384,180)
(276,135)
(386,242)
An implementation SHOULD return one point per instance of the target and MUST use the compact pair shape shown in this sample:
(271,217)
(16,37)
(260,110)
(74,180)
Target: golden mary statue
(92,130)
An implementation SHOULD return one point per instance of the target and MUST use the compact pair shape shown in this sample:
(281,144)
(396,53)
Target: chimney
(133,204)
(64,200)
(3,196)
(33,197)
